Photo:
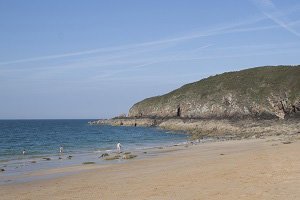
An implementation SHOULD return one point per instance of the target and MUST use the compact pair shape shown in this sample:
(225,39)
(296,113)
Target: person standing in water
(23,152)
(119,147)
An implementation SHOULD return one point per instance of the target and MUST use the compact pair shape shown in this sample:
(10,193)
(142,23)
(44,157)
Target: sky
(69,59)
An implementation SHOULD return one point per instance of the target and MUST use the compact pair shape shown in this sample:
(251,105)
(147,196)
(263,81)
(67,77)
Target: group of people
(61,149)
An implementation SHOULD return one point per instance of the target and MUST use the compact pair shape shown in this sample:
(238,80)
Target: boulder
(129,156)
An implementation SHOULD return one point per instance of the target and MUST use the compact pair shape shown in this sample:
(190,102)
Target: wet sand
(244,169)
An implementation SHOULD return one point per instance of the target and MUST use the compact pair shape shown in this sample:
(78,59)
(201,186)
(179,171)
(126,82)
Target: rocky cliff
(262,92)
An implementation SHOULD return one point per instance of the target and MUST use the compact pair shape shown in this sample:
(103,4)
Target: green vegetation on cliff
(271,91)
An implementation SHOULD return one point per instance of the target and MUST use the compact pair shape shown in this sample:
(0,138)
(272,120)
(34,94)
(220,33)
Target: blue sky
(95,59)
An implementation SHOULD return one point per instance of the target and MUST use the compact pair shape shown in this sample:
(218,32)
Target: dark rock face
(263,92)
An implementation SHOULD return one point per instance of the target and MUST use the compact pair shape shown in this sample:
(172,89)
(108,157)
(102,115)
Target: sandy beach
(266,168)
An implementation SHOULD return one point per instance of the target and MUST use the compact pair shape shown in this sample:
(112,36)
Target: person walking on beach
(23,152)
(61,149)
(119,147)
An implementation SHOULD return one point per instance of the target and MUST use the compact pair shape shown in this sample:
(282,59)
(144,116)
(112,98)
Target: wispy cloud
(269,9)
(158,44)
(87,52)
(103,63)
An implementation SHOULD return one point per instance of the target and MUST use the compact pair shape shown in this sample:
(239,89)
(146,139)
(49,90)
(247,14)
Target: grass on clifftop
(255,84)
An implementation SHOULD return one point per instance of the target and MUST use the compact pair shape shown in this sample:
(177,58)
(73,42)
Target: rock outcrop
(263,92)
(145,122)
(200,128)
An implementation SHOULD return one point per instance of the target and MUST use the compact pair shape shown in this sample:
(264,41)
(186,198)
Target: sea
(41,140)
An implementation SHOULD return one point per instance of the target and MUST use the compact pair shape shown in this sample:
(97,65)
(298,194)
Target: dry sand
(246,169)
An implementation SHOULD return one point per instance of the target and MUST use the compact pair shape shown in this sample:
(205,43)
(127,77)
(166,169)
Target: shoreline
(20,170)
(100,140)
(137,173)
(15,170)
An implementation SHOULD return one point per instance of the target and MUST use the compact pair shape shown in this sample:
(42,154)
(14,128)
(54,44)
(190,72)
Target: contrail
(267,6)
(223,29)
(269,10)
(282,24)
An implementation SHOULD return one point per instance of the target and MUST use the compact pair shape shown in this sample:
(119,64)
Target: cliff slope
(267,92)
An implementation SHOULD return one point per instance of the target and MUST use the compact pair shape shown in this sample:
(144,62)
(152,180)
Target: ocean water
(42,138)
